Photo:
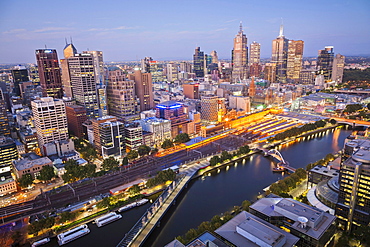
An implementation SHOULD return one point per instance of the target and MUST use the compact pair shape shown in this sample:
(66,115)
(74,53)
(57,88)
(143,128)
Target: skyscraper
(143,89)
(255,53)
(100,80)
(280,55)
(325,62)
(50,121)
(145,64)
(353,204)
(68,51)
(214,57)
(49,73)
(294,60)
(338,68)
(19,74)
(76,116)
(121,95)
(198,62)
(240,56)
(83,81)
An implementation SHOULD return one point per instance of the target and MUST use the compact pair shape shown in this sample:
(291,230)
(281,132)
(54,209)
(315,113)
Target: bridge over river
(277,155)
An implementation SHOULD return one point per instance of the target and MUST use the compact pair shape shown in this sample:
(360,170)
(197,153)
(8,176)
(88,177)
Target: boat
(278,169)
(40,242)
(132,205)
(106,219)
(73,234)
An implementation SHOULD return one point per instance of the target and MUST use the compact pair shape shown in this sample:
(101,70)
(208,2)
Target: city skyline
(163,30)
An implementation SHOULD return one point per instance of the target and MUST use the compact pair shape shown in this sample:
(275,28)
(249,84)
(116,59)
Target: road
(89,188)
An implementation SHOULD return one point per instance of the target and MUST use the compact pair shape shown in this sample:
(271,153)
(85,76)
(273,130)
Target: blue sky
(130,30)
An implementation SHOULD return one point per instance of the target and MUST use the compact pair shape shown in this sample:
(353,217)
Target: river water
(215,193)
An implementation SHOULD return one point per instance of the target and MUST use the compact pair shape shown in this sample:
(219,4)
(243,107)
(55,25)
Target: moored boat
(72,234)
(40,242)
(106,219)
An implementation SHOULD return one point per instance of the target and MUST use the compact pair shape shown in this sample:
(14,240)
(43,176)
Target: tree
(89,153)
(245,205)
(125,161)
(109,164)
(225,156)
(134,190)
(167,144)
(46,173)
(214,160)
(143,150)
(181,138)
(352,108)
(67,216)
(26,180)
(133,154)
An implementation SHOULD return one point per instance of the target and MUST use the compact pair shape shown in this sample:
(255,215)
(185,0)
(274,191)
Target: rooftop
(246,229)
(23,164)
(325,170)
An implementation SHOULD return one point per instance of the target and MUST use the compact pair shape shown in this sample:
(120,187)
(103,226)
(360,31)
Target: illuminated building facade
(353,207)
(8,153)
(160,129)
(255,53)
(240,57)
(173,111)
(49,73)
(133,136)
(338,68)
(4,123)
(209,108)
(294,60)
(280,56)
(19,74)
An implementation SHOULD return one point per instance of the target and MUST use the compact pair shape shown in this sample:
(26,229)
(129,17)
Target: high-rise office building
(133,136)
(143,89)
(280,55)
(83,81)
(294,60)
(353,204)
(76,116)
(4,123)
(8,153)
(338,68)
(156,71)
(255,53)
(191,91)
(100,80)
(145,64)
(173,111)
(19,74)
(172,72)
(50,120)
(49,73)
(209,108)
(240,57)
(68,51)
(109,135)
(198,62)
(325,62)
(121,95)
(214,57)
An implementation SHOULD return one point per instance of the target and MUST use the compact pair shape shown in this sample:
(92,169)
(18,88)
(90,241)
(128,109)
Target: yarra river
(215,193)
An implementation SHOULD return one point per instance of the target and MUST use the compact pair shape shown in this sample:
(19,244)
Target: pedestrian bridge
(277,155)
(146,224)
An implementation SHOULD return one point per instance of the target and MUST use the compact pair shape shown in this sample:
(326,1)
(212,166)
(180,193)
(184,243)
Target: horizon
(129,31)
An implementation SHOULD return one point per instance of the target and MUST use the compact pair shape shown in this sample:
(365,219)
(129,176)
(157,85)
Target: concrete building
(143,89)
(30,165)
(173,111)
(255,53)
(209,108)
(51,122)
(245,229)
(160,129)
(338,68)
(4,123)
(325,62)
(49,73)
(122,101)
(68,51)
(133,136)
(240,103)
(240,57)
(83,81)
(312,226)
(76,116)
(191,91)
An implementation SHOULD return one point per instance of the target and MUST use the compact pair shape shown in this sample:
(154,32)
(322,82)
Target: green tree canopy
(25,181)
(110,163)
(133,154)
(143,150)
(125,161)
(46,173)
(167,144)
(181,138)
(134,190)
(352,108)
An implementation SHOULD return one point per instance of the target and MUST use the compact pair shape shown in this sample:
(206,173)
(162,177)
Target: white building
(161,129)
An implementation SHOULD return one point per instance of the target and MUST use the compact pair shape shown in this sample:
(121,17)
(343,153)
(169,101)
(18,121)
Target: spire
(66,41)
(281,33)
(241,27)
(71,40)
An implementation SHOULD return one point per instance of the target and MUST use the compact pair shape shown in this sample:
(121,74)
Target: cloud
(110,29)
(231,20)
(51,29)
